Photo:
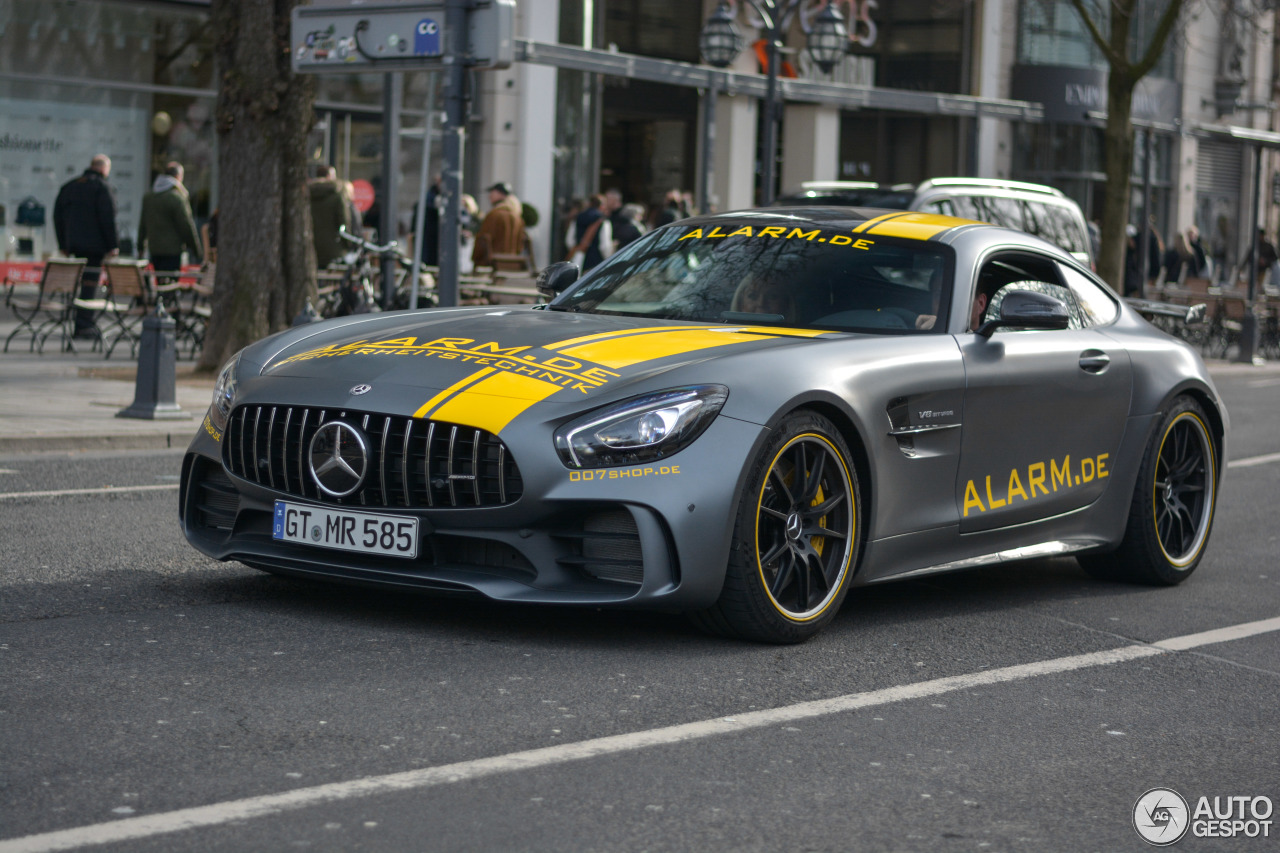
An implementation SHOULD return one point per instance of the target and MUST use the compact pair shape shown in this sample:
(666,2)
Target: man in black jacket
(84,218)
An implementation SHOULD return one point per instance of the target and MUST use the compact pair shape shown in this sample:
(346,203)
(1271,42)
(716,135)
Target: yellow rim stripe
(622,352)
(1210,491)
(848,557)
(496,401)
(451,390)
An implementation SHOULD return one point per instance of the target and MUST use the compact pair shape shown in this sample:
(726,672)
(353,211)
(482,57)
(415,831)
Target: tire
(793,551)
(1173,503)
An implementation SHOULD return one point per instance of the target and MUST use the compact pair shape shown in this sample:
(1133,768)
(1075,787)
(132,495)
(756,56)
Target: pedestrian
(1267,267)
(1178,260)
(330,214)
(626,225)
(84,219)
(1132,263)
(1155,253)
(672,210)
(209,238)
(1203,268)
(502,229)
(592,235)
(166,225)
(430,252)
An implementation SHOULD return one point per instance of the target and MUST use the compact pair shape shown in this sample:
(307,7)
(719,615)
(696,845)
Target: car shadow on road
(1009,587)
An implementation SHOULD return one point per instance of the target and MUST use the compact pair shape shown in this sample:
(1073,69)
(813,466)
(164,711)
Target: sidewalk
(68,401)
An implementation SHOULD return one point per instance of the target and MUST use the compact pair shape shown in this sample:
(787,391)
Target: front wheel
(795,537)
(1172,508)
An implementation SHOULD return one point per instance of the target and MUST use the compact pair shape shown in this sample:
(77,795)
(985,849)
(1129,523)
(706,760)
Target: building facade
(135,79)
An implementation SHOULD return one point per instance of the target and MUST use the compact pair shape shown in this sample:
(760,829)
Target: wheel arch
(1209,403)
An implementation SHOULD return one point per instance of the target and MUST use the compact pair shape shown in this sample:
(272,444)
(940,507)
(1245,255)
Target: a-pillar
(810,145)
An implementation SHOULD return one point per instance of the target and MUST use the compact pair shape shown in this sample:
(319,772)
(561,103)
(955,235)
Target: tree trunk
(1118,164)
(266,259)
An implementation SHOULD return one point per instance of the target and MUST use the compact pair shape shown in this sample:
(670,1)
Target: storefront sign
(1070,94)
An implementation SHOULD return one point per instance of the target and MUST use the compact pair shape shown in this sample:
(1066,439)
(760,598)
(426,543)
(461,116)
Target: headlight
(641,429)
(224,393)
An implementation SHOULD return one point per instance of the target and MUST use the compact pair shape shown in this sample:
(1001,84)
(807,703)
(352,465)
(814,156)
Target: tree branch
(1096,34)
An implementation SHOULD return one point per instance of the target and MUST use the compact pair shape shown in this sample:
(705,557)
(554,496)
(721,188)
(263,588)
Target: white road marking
(1254,460)
(1262,383)
(218,814)
(1220,635)
(103,491)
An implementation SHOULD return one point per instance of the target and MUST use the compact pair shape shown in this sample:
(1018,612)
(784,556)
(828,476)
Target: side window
(1006,273)
(966,207)
(1097,307)
(1064,229)
(1005,212)
(943,206)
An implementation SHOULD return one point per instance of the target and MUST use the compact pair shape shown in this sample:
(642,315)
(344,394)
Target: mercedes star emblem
(357,390)
(339,458)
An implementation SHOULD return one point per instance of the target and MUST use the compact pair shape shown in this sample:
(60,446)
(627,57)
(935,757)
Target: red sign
(362,190)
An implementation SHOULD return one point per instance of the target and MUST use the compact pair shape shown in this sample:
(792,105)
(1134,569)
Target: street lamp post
(827,42)
(720,43)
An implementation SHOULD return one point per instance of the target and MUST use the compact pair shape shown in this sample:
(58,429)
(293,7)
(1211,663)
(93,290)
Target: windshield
(772,271)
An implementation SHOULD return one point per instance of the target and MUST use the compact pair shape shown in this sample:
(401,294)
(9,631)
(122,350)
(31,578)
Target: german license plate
(346,530)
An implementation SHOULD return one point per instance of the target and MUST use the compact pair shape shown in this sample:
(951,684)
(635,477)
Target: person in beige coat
(502,229)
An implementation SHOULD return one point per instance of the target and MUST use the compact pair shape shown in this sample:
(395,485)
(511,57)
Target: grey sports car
(739,417)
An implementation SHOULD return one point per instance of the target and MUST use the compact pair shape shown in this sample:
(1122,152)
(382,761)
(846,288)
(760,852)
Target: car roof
(868,221)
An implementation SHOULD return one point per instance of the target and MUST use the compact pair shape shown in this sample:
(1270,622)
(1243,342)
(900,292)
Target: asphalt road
(138,678)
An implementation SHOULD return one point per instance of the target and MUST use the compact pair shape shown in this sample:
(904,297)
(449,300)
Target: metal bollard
(155,393)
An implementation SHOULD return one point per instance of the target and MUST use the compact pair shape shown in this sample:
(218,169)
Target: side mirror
(556,278)
(1027,309)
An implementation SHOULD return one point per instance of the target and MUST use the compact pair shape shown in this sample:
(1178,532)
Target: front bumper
(649,536)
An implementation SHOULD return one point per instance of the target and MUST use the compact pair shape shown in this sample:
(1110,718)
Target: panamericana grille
(413,462)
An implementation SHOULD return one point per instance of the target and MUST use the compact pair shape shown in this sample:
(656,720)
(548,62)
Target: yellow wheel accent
(1182,489)
(806,503)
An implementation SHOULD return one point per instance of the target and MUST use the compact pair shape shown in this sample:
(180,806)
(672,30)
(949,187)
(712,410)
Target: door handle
(1094,361)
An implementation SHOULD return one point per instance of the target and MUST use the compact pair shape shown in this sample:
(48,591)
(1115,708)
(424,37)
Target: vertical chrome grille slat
(257,418)
(302,443)
(271,434)
(453,437)
(284,446)
(404,462)
(382,468)
(502,480)
(431,434)
(254,430)
(475,466)
(244,415)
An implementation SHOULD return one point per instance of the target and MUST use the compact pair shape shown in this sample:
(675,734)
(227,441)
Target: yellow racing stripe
(494,402)
(426,407)
(914,226)
(599,336)
(871,222)
(621,352)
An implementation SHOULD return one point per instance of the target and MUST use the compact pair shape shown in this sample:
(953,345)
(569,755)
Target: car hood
(485,366)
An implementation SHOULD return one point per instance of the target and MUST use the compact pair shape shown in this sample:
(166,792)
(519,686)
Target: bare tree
(266,259)
(1114,38)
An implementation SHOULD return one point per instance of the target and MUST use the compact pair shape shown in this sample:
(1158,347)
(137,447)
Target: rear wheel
(795,537)
(1172,508)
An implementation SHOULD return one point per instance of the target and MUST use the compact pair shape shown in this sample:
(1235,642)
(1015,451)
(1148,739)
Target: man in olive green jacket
(166,226)
(330,212)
